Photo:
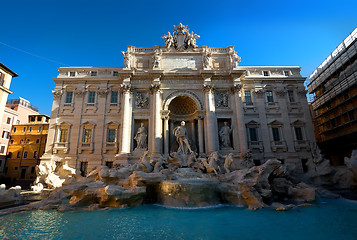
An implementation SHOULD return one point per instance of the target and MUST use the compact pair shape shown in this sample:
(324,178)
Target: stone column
(127,119)
(165,117)
(157,136)
(200,135)
(242,135)
(211,120)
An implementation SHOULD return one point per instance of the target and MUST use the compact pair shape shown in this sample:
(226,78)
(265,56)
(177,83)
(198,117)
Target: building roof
(8,70)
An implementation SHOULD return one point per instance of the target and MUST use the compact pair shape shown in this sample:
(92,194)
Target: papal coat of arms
(181,39)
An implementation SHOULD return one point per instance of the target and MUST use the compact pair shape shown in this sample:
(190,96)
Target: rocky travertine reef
(321,173)
(182,180)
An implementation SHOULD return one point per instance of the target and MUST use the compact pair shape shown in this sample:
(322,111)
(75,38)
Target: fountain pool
(328,219)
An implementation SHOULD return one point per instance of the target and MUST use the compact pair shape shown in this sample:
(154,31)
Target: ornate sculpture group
(181,39)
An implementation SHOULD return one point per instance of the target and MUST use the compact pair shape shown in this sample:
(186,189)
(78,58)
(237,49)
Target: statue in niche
(126,57)
(169,40)
(207,60)
(141,101)
(225,136)
(180,133)
(156,59)
(141,138)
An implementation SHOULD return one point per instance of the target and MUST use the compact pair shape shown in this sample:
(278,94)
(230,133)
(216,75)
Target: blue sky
(93,33)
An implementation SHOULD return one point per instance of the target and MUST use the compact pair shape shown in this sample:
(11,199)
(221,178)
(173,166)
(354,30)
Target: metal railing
(23,103)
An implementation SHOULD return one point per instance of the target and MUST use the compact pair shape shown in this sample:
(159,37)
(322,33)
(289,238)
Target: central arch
(183,107)
(186,93)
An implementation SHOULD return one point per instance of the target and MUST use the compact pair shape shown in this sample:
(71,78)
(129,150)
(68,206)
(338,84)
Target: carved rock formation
(205,183)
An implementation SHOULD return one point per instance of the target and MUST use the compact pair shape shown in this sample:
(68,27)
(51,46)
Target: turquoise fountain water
(330,219)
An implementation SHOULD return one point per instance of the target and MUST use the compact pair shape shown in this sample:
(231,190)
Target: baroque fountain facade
(184,121)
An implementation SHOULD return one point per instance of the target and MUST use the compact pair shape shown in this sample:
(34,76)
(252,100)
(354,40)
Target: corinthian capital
(57,93)
(208,87)
(236,88)
(126,87)
(155,87)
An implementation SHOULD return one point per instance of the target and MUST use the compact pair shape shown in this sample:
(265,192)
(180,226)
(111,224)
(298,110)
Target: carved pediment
(252,123)
(113,124)
(275,123)
(65,123)
(88,123)
(298,123)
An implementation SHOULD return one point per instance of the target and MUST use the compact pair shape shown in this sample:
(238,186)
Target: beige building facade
(6,116)
(111,115)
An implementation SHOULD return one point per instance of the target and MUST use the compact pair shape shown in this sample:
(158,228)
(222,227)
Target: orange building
(27,144)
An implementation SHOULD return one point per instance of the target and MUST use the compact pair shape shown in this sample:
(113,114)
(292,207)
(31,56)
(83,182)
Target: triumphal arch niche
(178,99)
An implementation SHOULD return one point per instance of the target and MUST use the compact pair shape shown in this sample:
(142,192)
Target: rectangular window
(39,129)
(35,155)
(72,74)
(291,96)
(87,135)
(115,73)
(24,129)
(83,168)
(25,154)
(63,135)
(37,140)
(33,170)
(265,73)
(253,134)
(269,95)
(298,133)
(18,154)
(111,135)
(91,97)
(3,134)
(247,97)
(14,130)
(69,96)
(114,97)
(286,73)
(8,120)
(276,134)
(30,129)
(333,122)
(351,115)
(2,149)
(39,119)
(109,164)
(93,73)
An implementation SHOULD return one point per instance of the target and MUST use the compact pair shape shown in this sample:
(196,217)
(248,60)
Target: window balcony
(301,145)
(278,145)
(84,146)
(110,146)
(256,145)
(61,146)
(249,106)
(272,106)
